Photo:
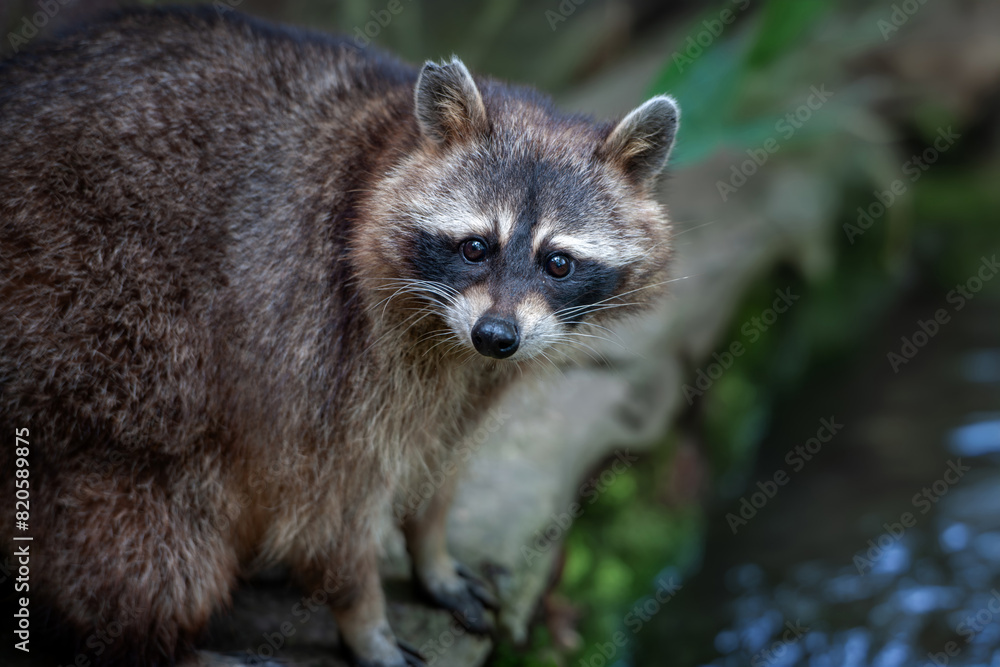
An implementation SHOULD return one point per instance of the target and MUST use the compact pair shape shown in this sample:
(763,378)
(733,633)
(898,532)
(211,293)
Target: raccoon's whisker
(602,328)
(431,301)
(383,301)
(422,317)
(691,229)
(437,344)
(583,307)
(420,310)
(388,299)
(587,310)
(595,336)
(433,287)
(561,338)
(537,364)
(554,365)
(596,356)
(612,306)
(572,338)
(408,290)
(401,290)
(422,289)
(425,310)
(446,337)
(435,334)
(454,346)
(469,356)
(571,309)
(620,344)
(426,283)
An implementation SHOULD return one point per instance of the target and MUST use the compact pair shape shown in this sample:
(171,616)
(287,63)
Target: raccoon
(255,282)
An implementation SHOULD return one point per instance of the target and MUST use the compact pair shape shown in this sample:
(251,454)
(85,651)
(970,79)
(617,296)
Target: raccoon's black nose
(495,337)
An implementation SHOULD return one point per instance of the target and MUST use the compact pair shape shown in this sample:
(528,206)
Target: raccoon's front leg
(447,583)
(358,605)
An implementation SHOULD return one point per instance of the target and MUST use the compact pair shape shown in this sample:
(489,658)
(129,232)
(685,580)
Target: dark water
(882,548)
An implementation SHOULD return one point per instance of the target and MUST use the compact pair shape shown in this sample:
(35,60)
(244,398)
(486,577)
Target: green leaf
(706,89)
(784,23)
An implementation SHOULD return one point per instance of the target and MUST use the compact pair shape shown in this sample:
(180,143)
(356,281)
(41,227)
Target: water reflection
(979,438)
(916,589)
(829,575)
(981,366)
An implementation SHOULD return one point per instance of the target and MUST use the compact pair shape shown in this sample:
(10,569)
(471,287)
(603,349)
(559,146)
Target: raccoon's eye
(558,265)
(474,250)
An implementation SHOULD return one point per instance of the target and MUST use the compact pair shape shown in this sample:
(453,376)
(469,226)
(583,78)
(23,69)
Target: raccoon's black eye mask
(563,280)
(558,265)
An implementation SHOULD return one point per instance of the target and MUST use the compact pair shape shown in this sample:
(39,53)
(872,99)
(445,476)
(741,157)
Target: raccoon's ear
(448,104)
(642,141)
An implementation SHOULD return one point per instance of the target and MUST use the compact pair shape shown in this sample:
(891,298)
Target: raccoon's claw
(465,596)
(410,657)
(468,610)
(477,587)
(413,657)
(379,647)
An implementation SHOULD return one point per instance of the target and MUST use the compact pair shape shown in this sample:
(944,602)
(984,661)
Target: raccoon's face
(520,228)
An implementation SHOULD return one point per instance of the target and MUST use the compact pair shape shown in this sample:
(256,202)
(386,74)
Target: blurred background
(826,487)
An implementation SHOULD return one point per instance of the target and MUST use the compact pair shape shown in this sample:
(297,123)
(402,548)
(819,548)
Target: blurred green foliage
(711,82)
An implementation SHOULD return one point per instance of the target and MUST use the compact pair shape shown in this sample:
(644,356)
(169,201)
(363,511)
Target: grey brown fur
(217,323)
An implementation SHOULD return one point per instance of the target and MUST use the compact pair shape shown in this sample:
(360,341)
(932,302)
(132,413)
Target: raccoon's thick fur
(254,281)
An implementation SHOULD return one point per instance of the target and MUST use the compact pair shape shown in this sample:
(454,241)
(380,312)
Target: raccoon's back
(144,158)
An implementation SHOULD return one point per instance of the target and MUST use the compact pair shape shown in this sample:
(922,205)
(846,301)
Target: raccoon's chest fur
(316,477)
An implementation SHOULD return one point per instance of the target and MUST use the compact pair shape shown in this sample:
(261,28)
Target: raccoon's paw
(464,594)
(382,649)
(406,656)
